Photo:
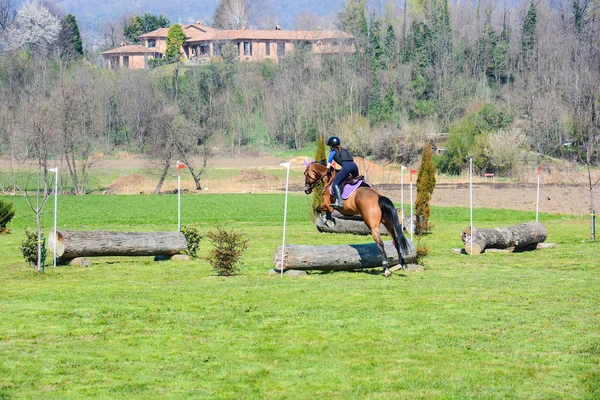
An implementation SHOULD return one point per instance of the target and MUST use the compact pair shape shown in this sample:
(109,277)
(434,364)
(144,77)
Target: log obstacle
(517,237)
(339,258)
(352,224)
(72,244)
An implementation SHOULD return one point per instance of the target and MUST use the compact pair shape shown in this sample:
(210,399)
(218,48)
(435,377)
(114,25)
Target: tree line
(481,79)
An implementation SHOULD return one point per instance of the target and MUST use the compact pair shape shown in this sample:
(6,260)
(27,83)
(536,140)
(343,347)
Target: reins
(309,187)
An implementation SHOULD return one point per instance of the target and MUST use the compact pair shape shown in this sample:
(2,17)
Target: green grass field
(491,326)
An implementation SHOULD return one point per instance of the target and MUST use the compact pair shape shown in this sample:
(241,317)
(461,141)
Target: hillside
(91,14)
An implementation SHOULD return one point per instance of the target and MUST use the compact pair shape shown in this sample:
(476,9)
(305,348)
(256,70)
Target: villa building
(203,43)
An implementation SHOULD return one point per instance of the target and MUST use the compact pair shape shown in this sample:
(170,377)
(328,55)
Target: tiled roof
(251,34)
(133,49)
(160,32)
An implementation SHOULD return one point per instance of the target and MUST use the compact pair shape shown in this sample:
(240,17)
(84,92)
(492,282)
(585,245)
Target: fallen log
(352,224)
(71,244)
(520,237)
(339,258)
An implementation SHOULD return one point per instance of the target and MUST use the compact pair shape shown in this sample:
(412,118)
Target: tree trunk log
(352,224)
(520,237)
(340,257)
(71,244)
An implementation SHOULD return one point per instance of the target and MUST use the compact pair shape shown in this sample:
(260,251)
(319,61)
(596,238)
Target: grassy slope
(490,326)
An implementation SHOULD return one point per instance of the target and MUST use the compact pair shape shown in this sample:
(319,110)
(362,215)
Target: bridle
(308,187)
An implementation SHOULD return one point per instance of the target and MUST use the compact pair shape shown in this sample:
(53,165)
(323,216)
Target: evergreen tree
(425,186)
(70,39)
(175,38)
(320,154)
(139,25)
(528,39)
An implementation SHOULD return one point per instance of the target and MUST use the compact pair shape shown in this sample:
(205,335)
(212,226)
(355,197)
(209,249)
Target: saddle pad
(350,188)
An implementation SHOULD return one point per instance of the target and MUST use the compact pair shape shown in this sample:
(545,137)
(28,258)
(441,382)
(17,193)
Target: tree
(34,28)
(320,154)
(69,40)
(528,35)
(425,186)
(237,14)
(138,25)
(7,13)
(175,39)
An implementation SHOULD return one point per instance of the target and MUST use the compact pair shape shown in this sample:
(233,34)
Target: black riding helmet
(333,141)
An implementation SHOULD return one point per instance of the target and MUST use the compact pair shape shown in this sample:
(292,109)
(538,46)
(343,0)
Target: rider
(343,158)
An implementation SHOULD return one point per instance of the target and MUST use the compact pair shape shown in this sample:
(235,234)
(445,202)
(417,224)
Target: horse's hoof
(387,273)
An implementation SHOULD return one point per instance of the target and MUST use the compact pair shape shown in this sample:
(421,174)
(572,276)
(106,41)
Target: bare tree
(7,14)
(237,14)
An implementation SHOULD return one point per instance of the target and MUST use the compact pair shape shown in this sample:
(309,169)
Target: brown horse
(375,209)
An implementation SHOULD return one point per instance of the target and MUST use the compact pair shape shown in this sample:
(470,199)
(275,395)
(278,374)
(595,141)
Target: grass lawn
(490,326)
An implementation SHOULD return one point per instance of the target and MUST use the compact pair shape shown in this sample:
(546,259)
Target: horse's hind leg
(377,238)
(392,232)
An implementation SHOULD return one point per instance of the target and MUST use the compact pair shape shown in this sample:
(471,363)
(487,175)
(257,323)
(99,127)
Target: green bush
(229,246)
(29,248)
(425,186)
(193,238)
(7,212)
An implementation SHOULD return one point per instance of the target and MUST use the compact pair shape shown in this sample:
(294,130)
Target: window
(204,49)
(247,48)
(280,49)
(268,49)
(125,61)
(151,43)
(217,49)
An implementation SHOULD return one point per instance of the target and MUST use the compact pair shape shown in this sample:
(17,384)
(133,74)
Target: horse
(374,207)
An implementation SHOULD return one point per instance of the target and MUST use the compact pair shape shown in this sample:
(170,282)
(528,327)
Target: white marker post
(471,198)
(537,200)
(412,218)
(402,189)
(180,166)
(287,179)
(55,170)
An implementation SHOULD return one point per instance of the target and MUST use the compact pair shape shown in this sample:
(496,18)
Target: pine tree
(70,39)
(320,154)
(528,39)
(425,186)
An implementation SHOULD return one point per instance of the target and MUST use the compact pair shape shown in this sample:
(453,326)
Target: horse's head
(313,174)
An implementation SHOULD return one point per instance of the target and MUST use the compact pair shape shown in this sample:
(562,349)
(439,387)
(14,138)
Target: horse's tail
(389,213)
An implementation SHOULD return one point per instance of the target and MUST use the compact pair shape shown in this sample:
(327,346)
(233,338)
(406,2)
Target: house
(203,43)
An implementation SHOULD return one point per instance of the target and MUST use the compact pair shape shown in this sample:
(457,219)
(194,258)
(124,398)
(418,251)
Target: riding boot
(338,200)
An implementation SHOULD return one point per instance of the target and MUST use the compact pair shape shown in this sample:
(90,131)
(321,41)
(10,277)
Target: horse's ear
(313,160)
(306,164)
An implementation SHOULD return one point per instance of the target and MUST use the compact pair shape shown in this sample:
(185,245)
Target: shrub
(7,212)
(193,238)
(425,186)
(228,250)
(29,248)
(317,194)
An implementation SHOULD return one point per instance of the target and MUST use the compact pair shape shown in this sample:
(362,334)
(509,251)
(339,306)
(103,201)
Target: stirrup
(338,204)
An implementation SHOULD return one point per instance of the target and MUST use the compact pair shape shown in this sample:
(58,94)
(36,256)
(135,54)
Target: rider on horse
(344,159)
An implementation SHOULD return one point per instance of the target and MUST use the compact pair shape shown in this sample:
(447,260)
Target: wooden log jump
(352,224)
(517,237)
(71,244)
(339,257)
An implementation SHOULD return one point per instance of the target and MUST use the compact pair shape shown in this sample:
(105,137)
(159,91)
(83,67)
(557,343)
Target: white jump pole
(471,199)
(55,170)
(537,200)
(412,219)
(402,189)
(180,166)
(287,180)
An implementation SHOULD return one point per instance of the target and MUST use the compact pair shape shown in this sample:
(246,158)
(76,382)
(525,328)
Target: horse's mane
(322,162)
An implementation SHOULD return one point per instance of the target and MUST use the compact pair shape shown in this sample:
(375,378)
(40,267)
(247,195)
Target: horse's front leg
(377,238)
